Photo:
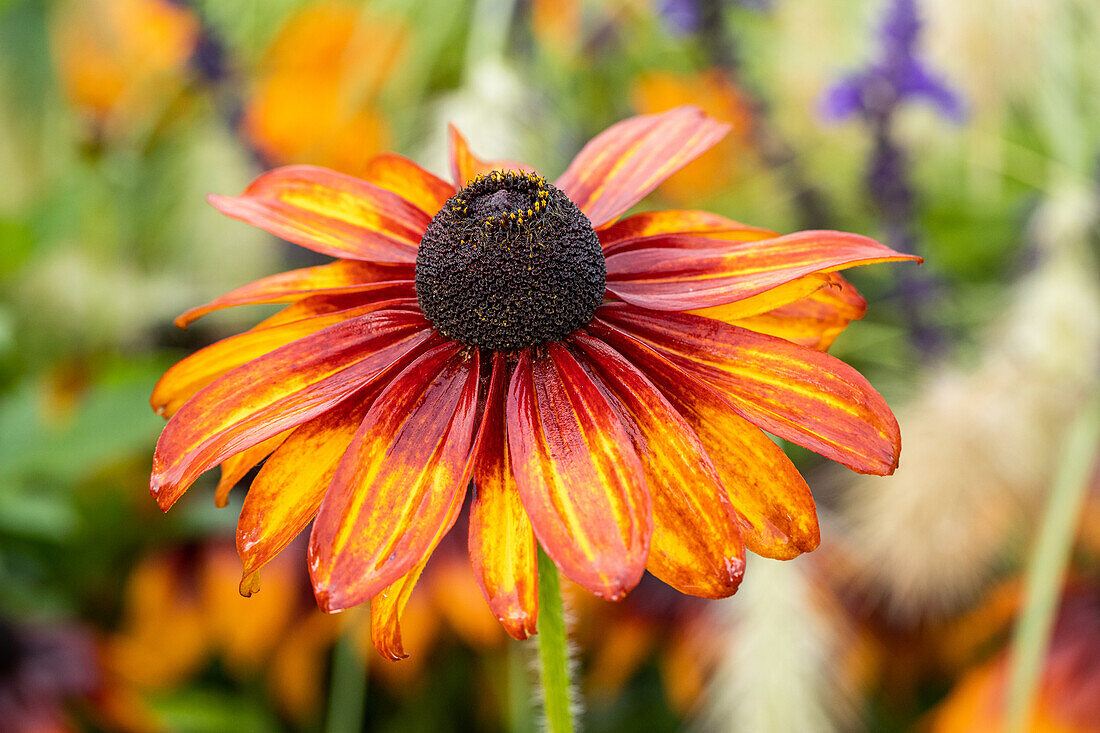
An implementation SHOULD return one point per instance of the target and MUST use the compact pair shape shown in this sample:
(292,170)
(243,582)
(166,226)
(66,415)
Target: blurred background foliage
(966,132)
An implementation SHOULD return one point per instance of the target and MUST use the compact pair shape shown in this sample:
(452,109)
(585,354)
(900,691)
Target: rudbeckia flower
(606,383)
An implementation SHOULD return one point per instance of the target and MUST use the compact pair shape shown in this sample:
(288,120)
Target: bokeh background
(941,599)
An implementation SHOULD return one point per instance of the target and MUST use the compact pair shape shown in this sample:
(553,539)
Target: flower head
(605,382)
(897,76)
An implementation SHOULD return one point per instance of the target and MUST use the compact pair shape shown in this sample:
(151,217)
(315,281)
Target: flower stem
(348,686)
(553,650)
(1048,565)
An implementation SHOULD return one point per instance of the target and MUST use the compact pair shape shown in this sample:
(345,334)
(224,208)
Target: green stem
(1049,562)
(348,688)
(553,650)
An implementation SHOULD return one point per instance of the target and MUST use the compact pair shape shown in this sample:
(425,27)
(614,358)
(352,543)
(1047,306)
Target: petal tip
(520,627)
(250,583)
(393,653)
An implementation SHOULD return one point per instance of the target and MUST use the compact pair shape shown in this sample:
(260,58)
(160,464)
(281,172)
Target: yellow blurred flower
(316,96)
(719,97)
(121,59)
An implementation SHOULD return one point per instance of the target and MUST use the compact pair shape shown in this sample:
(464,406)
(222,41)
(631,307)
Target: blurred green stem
(348,687)
(553,649)
(488,35)
(521,718)
(1049,562)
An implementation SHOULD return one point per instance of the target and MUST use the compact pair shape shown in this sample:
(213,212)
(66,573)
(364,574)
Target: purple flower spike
(898,75)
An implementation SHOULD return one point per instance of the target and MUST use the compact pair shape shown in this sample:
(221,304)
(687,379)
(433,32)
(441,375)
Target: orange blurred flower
(120,59)
(278,635)
(557,23)
(714,93)
(1068,695)
(599,379)
(316,96)
(653,620)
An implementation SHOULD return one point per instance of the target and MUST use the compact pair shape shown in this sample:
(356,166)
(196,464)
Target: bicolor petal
(577,473)
(288,490)
(622,164)
(187,376)
(330,213)
(502,544)
(385,613)
(278,391)
(696,546)
(465,166)
(685,271)
(237,467)
(377,282)
(634,231)
(814,320)
(398,487)
(766,301)
(795,393)
(776,511)
(405,178)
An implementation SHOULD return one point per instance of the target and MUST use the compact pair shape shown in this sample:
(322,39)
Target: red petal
(343,276)
(577,474)
(330,213)
(409,181)
(278,391)
(813,321)
(466,166)
(287,492)
(502,543)
(400,484)
(189,375)
(801,395)
(622,164)
(776,509)
(696,546)
(686,271)
(633,231)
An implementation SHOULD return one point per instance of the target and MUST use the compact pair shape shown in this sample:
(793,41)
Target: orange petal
(775,508)
(187,376)
(385,613)
(622,164)
(287,492)
(342,276)
(278,391)
(330,213)
(696,546)
(502,543)
(632,232)
(237,467)
(798,394)
(409,181)
(813,321)
(577,473)
(398,487)
(687,271)
(465,165)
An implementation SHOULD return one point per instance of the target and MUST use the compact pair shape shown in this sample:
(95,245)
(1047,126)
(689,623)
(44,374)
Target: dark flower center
(509,262)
